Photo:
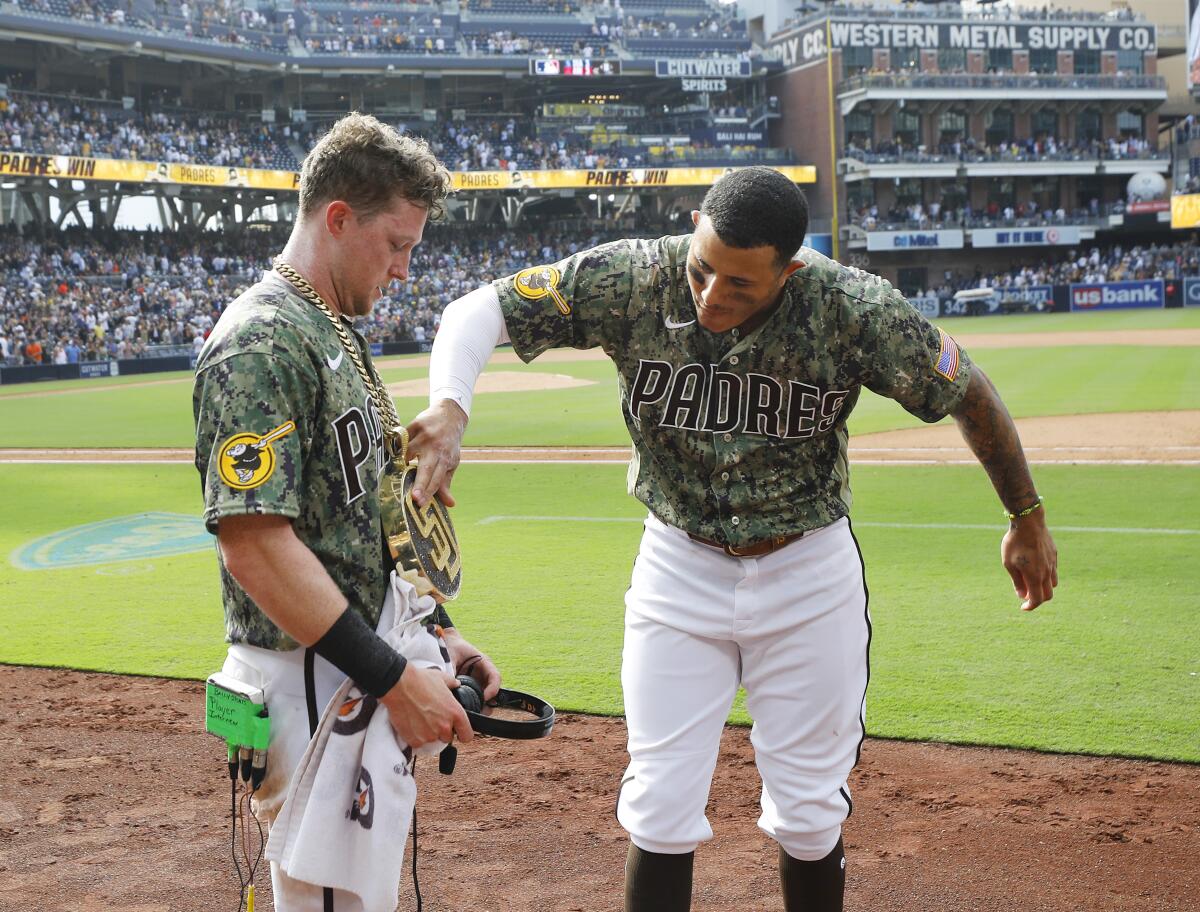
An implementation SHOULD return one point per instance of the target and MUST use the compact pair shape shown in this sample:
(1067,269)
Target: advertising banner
(1025,237)
(804,46)
(926,305)
(1191,292)
(1185,210)
(1118,295)
(90,370)
(947,239)
(701,68)
(99,169)
(1193,46)
(615,177)
(1041,296)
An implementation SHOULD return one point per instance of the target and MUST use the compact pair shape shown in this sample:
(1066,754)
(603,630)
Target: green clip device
(235,712)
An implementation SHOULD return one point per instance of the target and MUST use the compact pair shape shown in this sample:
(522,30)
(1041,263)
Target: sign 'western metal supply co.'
(699,68)
(949,239)
(1024,237)
(808,44)
(1118,295)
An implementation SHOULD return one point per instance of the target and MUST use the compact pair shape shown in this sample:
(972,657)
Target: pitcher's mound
(498,382)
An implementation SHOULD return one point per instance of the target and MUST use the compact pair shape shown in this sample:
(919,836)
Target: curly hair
(367,164)
(758,207)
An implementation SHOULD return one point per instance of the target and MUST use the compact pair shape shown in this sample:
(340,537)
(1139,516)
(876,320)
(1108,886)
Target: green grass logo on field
(123,538)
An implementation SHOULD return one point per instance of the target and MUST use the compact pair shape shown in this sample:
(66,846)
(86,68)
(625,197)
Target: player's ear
(791,267)
(696,217)
(337,216)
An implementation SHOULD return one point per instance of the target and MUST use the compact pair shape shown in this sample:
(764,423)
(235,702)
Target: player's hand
(435,436)
(423,710)
(1031,559)
(469,660)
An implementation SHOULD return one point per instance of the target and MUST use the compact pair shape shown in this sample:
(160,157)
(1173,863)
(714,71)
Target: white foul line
(981,527)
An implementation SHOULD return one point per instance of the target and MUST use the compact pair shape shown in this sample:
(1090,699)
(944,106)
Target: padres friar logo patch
(247,460)
(539,282)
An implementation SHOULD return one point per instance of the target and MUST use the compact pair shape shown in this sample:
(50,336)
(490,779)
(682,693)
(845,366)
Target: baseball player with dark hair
(739,358)
(291,425)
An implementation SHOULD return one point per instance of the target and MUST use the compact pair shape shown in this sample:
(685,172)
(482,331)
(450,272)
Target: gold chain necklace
(395,434)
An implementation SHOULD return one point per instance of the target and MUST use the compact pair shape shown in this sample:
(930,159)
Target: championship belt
(419,538)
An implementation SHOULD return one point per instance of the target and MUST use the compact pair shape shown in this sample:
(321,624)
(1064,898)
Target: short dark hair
(758,207)
(367,164)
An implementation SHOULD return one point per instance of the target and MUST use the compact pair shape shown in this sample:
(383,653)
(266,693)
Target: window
(906,58)
(855,60)
(907,126)
(999,59)
(1132,62)
(1043,60)
(1130,124)
(999,127)
(1002,192)
(1087,63)
(954,196)
(952,126)
(860,128)
(1086,190)
(1087,125)
(1045,191)
(952,60)
(909,191)
(1045,123)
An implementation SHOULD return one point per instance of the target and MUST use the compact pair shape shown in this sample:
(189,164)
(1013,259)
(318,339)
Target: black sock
(813,886)
(656,882)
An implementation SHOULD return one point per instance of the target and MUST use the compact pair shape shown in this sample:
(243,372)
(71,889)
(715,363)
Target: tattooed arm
(1027,550)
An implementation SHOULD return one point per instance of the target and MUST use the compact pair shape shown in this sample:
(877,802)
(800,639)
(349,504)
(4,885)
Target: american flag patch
(947,359)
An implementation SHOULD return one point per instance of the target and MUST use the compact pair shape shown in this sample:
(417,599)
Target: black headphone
(470,697)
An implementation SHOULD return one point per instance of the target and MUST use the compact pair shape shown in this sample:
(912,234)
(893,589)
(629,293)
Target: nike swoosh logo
(334,363)
(671,324)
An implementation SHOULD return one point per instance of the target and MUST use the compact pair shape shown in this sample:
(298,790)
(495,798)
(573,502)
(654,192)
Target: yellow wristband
(1013,517)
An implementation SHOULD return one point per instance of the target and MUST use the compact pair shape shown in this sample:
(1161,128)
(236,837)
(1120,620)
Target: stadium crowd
(31,123)
(86,295)
(83,295)
(93,129)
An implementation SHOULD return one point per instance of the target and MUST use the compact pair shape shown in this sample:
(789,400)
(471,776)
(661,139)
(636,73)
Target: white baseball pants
(792,628)
(283,681)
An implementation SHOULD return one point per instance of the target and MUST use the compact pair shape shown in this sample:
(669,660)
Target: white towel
(345,821)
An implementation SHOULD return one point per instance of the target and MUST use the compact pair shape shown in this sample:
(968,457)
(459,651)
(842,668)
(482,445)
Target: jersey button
(733,360)
(727,437)
(735,520)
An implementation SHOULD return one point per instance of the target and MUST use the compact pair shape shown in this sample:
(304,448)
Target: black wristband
(352,647)
(441,617)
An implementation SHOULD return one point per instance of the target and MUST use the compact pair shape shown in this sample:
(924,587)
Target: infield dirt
(115,801)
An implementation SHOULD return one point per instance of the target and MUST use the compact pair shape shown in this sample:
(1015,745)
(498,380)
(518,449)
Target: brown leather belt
(757,549)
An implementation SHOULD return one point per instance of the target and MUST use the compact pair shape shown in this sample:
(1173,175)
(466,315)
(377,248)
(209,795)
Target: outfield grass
(1109,667)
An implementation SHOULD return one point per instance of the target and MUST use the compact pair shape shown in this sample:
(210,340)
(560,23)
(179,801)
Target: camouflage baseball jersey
(285,426)
(737,437)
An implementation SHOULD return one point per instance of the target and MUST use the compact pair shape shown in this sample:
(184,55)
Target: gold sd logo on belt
(420,538)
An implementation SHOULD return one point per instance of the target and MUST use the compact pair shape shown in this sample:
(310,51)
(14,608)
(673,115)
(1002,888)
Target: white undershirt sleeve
(471,328)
